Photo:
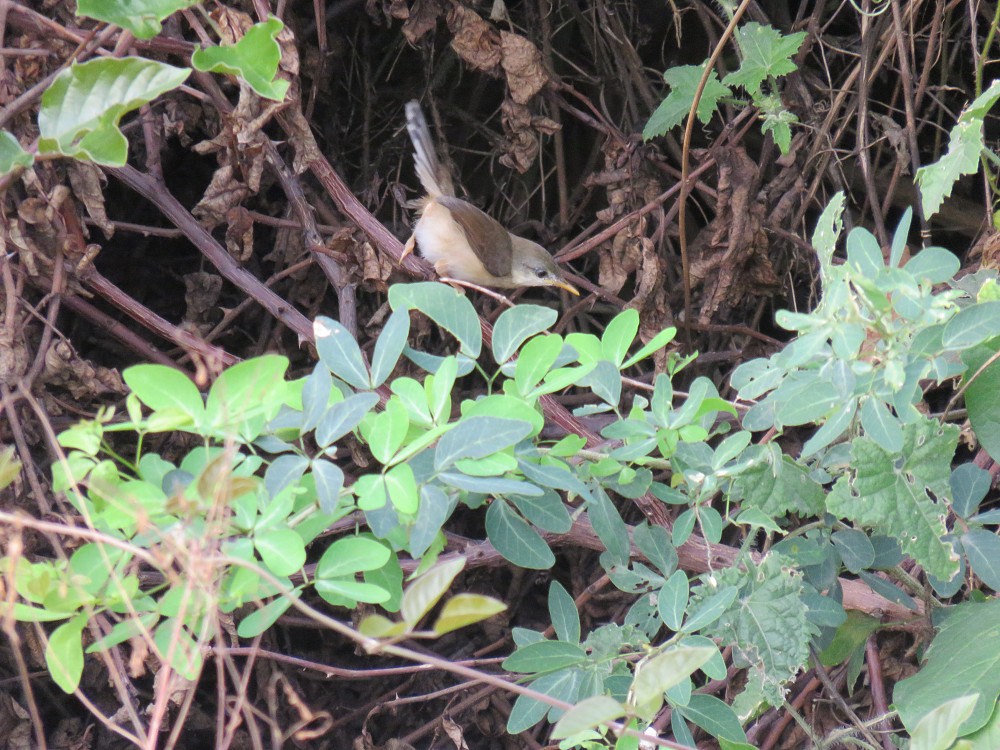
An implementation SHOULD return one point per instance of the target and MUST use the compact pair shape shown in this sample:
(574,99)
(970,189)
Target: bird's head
(533,266)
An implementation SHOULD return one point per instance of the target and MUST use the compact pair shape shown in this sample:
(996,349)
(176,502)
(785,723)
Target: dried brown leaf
(474,40)
(87,181)
(423,17)
(522,63)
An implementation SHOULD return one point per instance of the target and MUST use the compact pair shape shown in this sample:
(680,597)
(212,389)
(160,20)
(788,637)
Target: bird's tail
(432,174)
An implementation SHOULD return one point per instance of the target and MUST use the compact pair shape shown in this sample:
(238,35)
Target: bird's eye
(541,273)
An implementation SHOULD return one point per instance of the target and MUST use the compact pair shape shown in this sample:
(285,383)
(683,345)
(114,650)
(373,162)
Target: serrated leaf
(141,17)
(965,142)
(466,609)
(81,109)
(12,155)
(766,54)
(515,325)
(891,492)
(254,59)
(683,81)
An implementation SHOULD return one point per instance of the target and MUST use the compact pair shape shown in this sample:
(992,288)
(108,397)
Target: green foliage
(141,17)
(82,107)
(965,145)
(254,59)
(957,665)
(12,155)
(765,56)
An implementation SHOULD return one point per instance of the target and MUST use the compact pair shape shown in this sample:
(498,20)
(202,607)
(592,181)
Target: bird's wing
(488,239)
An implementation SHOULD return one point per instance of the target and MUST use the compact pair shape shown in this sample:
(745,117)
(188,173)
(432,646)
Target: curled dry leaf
(423,17)
(522,63)
(239,233)
(201,295)
(475,41)
(65,368)
(520,145)
(87,181)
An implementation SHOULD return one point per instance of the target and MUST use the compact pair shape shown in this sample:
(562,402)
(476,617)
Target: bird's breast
(443,242)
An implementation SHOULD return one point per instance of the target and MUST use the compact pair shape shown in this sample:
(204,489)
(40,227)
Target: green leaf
(329,480)
(965,143)
(544,656)
(619,335)
(385,431)
(526,712)
(478,437)
(766,623)
(547,511)
(81,109)
(766,54)
(389,346)
(709,610)
(983,550)
(447,307)
(933,265)
(778,489)
(656,343)
(971,326)
(515,325)
(160,387)
(535,361)
(247,395)
(466,609)
(655,676)
(254,59)
(714,716)
(178,649)
(957,664)
(609,526)
(587,714)
(672,600)
(778,121)
(565,617)
(683,81)
(969,485)
(12,156)
(64,653)
(939,729)
(141,17)
(281,550)
(263,618)
(351,555)
(343,417)
(515,539)
(850,638)
(421,595)
(881,426)
(339,351)
(980,397)
(891,492)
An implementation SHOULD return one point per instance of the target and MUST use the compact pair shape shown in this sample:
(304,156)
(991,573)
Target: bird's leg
(408,248)
(488,292)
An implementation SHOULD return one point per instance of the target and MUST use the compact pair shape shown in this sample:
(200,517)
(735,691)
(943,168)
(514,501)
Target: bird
(462,242)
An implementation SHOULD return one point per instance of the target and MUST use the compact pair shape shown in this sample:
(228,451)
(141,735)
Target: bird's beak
(565,285)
